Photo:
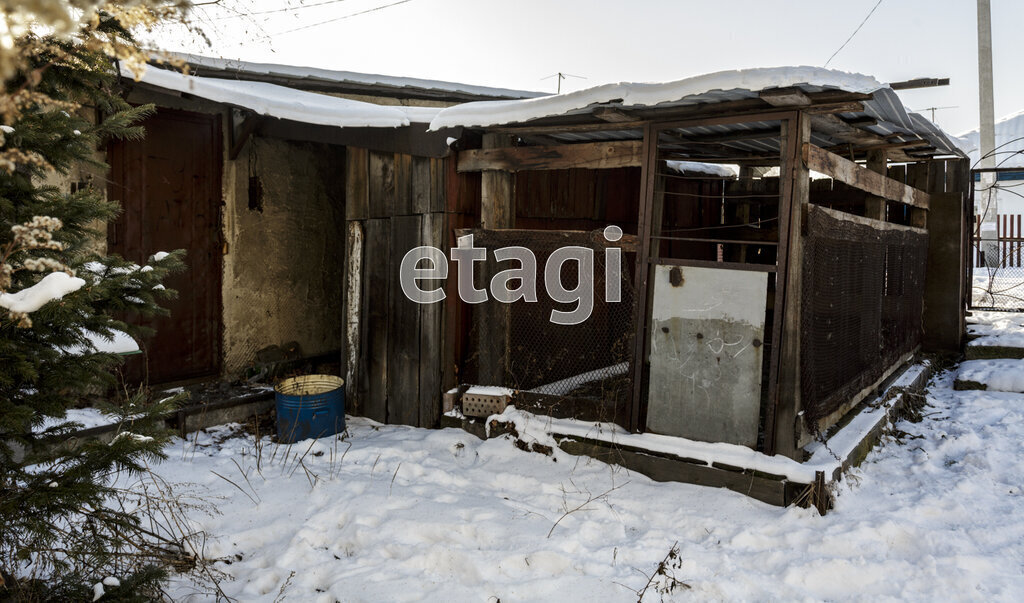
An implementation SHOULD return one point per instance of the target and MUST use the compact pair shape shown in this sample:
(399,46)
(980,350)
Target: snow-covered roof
(891,119)
(1009,141)
(286,103)
(202,64)
(743,83)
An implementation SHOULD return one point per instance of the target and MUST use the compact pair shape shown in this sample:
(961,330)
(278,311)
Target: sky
(523,43)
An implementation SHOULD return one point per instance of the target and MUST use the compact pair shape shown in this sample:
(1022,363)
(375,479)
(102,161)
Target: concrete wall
(283,260)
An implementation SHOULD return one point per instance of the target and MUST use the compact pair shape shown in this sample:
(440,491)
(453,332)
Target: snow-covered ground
(1002,288)
(996,329)
(1002,375)
(402,514)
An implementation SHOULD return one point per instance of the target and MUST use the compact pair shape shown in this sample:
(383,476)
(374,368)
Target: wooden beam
(874,206)
(785,97)
(837,107)
(873,223)
(593,155)
(907,144)
(244,132)
(844,170)
(613,115)
(830,101)
(921,82)
(842,132)
(496,187)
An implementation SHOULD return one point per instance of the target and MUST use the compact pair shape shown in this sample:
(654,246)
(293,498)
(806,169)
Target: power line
(283,10)
(363,12)
(871,12)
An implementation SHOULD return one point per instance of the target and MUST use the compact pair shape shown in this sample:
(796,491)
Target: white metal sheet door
(707,345)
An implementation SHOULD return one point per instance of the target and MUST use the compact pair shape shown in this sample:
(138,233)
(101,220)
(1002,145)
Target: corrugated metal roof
(893,121)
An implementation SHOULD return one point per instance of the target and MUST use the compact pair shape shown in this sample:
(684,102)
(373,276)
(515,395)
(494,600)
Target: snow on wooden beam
(596,155)
(846,171)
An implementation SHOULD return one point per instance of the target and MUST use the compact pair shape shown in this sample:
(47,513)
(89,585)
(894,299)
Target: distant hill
(1009,141)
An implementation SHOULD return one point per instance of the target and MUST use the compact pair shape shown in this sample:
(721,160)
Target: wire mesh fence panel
(580,370)
(998,281)
(861,307)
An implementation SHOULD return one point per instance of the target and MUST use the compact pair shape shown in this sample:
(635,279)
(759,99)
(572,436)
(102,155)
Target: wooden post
(796,180)
(874,207)
(497,189)
(918,177)
(743,211)
(353,304)
(497,211)
(645,219)
(946,288)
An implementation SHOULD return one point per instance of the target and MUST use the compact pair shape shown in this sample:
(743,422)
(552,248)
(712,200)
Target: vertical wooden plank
(373,368)
(431,316)
(404,329)
(899,174)
(644,217)
(796,180)
(874,207)
(357,192)
(350,353)
(497,211)
(918,177)
(420,186)
(438,185)
(452,336)
(403,185)
(1002,242)
(496,190)
(382,184)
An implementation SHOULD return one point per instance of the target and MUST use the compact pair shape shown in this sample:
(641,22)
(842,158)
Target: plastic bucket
(312,406)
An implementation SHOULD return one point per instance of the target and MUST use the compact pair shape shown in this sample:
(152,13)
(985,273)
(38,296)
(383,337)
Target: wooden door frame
(649,211)
(215,122)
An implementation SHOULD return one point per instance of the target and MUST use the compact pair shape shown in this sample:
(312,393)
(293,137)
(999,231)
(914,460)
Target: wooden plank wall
(577,199)
(399,200)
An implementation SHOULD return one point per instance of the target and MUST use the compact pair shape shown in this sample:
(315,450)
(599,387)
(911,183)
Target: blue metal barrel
(312,406)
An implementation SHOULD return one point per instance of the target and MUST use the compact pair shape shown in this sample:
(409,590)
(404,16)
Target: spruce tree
(61,532)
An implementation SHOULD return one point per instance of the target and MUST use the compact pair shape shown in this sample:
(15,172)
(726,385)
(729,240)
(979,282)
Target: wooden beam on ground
(591,155)
(844,170)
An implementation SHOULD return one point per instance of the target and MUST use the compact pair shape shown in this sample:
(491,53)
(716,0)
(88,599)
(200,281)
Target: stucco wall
(283,261)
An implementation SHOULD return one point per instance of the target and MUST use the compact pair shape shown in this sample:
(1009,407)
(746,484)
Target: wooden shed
(758,308)
(244,166)
(765,248)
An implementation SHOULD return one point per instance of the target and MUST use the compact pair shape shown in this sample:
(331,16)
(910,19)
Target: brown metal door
(169,187)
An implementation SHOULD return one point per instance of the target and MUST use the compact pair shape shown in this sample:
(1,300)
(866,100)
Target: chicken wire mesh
(998,274)
(580,370)
(861,307)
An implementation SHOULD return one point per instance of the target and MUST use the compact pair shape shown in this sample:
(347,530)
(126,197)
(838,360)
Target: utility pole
(987,204)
